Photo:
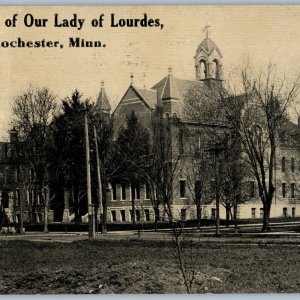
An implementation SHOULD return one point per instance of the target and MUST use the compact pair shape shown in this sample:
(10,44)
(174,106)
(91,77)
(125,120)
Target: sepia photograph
(149,149)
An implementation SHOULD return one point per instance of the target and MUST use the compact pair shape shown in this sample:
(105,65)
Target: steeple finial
(102,83)
(170,70)
(206,29)
(131,78)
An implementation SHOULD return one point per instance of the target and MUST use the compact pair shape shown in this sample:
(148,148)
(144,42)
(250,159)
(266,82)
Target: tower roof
(102,100)
(170,90)
(208,46)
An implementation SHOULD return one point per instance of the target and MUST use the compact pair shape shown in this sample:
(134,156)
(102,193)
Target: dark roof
(102,100)
(208,46)
(149,96)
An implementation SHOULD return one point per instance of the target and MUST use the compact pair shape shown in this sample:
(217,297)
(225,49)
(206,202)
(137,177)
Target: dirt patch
(143,267)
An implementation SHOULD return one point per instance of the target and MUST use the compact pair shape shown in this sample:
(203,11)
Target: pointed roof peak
(170,90)
(103,100)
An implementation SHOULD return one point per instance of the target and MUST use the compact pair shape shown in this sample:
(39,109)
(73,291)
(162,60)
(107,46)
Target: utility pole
(88,177)
(217,149)
(99,180)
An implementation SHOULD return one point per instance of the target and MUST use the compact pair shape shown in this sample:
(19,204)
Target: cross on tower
(131,78)
(206,29)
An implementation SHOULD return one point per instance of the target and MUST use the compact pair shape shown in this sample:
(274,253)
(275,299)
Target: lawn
(145,267)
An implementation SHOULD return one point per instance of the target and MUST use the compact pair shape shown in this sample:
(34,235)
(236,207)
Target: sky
(262,33)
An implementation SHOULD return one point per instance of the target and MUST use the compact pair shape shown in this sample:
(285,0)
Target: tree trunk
(156,218)
(132,206)
(266,218)
(22,196)
(104,215)
(46,202)
(227,215)
(235,218)
(198,215)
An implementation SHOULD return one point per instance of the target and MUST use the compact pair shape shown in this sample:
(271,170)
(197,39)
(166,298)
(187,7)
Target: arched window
(257,135)
(215,71)
(202,69)
(167,115)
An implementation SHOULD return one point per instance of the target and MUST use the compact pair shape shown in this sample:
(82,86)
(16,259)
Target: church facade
(169,95)
(193,140)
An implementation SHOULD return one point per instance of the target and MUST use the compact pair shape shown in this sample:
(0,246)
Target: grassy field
(145,267)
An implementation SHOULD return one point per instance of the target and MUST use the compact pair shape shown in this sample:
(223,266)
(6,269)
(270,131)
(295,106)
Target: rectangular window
(293,164)
(114,191)
(261,212)
(183,214)
(138,191)
(113,216)
(283,164)
(122,214)
(123,191)
(132,192)
(147,215)
(147,191)
(253,213)
(138,215)
(182,185)
(284,212)
(252,189)
(293,190)
(283,188)
(293,212)
(213,213)
(17,197)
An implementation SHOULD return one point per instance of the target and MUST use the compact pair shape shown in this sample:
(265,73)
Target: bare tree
(32,113)
(256,116)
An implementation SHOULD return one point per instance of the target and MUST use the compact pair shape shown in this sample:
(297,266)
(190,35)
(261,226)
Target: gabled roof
(102,100)
(149,96)
(174,88)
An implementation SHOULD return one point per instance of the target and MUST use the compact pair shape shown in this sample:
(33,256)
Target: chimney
(13,135)
(299,122)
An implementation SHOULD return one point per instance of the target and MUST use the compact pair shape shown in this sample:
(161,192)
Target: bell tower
(208,60)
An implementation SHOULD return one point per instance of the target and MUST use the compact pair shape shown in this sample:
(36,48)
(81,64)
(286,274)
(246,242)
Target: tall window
(283,187)
(123,188)
(138,191)
(261,211)
(252,189)
(293,164)
(213,213)
(147,215)
(114,191)
(113,216)
(253,213)
(283,164)
(182,186)
(183,214)
(293,212)
(293,190)
(147,191)
(122,215)
(284,212)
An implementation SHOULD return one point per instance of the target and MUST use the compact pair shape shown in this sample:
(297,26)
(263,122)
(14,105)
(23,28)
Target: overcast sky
(260,32)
